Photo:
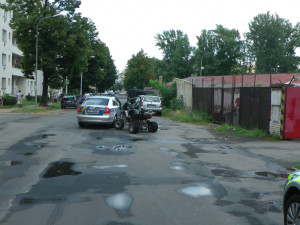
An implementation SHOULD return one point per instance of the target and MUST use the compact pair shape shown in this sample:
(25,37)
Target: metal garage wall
(292,113)
(255,107)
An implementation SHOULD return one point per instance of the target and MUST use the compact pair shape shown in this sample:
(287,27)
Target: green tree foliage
(220,51)
(62,43)
(177,54)
(273,42)
(168,94)
(100,72)
(139,71)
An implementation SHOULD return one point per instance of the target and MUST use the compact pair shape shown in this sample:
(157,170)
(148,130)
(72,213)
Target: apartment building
(11,76)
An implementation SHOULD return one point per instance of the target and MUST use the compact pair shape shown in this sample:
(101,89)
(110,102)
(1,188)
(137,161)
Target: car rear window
(97,101)
(151,99)
(68,98)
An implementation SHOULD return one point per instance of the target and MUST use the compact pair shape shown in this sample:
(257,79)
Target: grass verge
(51,107)
(188,117)
(239,131)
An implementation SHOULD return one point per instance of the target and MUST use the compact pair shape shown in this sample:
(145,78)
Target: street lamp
(37,54)
(201,62)
(81,76)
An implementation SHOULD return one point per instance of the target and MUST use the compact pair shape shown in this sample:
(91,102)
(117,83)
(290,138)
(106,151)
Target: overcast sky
(127,26)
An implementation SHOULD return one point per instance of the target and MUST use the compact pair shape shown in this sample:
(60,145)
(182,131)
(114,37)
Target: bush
(29,97)
(177,104)
(9,100)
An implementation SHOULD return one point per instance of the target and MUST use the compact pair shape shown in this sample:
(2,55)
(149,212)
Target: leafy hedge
(9,100)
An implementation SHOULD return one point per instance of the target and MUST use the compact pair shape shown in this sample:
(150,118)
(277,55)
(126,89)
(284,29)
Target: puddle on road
(196,192)
(109,167)
(179,166)
(121,203)
(206,188)
(120,148)
(59,169)
(10,163)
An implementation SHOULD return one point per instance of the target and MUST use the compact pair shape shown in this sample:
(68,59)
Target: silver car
(150,103)
(101,110)
(291,199)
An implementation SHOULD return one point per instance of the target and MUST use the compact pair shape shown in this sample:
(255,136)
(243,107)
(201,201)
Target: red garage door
(292,113)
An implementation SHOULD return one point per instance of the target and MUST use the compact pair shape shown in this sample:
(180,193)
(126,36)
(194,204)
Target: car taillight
(106,110)
(160,104)
(79,109)
(75,101)
(141,103)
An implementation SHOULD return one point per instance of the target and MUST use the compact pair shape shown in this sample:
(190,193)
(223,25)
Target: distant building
(11,76)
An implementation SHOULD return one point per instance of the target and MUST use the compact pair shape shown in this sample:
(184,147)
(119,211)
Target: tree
(219,50)
(62,44)
(177,54)
(139,71)
(273,42)
(101,71)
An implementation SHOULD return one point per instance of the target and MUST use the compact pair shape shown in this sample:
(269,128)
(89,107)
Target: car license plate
(92,111)
(152,106)
(68,101)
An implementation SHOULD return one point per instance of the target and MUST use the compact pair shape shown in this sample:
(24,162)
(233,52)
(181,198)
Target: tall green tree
(274,41)
(177,54)
(62,43)
(219,51)
(139,71)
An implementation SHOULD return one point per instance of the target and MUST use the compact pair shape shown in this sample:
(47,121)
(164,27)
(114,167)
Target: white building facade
(11,76)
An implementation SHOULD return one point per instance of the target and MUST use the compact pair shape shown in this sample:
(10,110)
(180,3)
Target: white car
(102,110)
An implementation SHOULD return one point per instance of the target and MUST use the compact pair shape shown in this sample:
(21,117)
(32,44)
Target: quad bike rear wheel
(134,127)
(119,124)
(152,127)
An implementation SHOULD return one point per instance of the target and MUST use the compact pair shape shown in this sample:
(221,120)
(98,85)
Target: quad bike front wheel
(152,127)
(134,127)
(119,124)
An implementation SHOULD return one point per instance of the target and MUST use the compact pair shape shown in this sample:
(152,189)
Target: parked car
(132,93)
(291,199)
(149,103)
(68,101)
(98,110)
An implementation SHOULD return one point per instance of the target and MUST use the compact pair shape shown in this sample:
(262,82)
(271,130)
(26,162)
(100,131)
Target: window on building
(8,82)
(14,40)
(5,15)
(3,83)
(4,35)
(9,36)
(3,59)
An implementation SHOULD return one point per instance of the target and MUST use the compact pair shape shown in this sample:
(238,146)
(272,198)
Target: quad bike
(136,120)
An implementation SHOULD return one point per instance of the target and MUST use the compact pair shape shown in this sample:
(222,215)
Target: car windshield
(151,99)
(96,101)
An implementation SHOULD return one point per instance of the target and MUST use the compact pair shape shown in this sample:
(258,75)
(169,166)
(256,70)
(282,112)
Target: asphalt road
(53,172)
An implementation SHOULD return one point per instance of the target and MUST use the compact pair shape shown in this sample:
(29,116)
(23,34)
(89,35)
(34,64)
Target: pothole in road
(121,203)
(115,150)
(172,152)
(271,175)
(59,169)
(10,163)
(47,135)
